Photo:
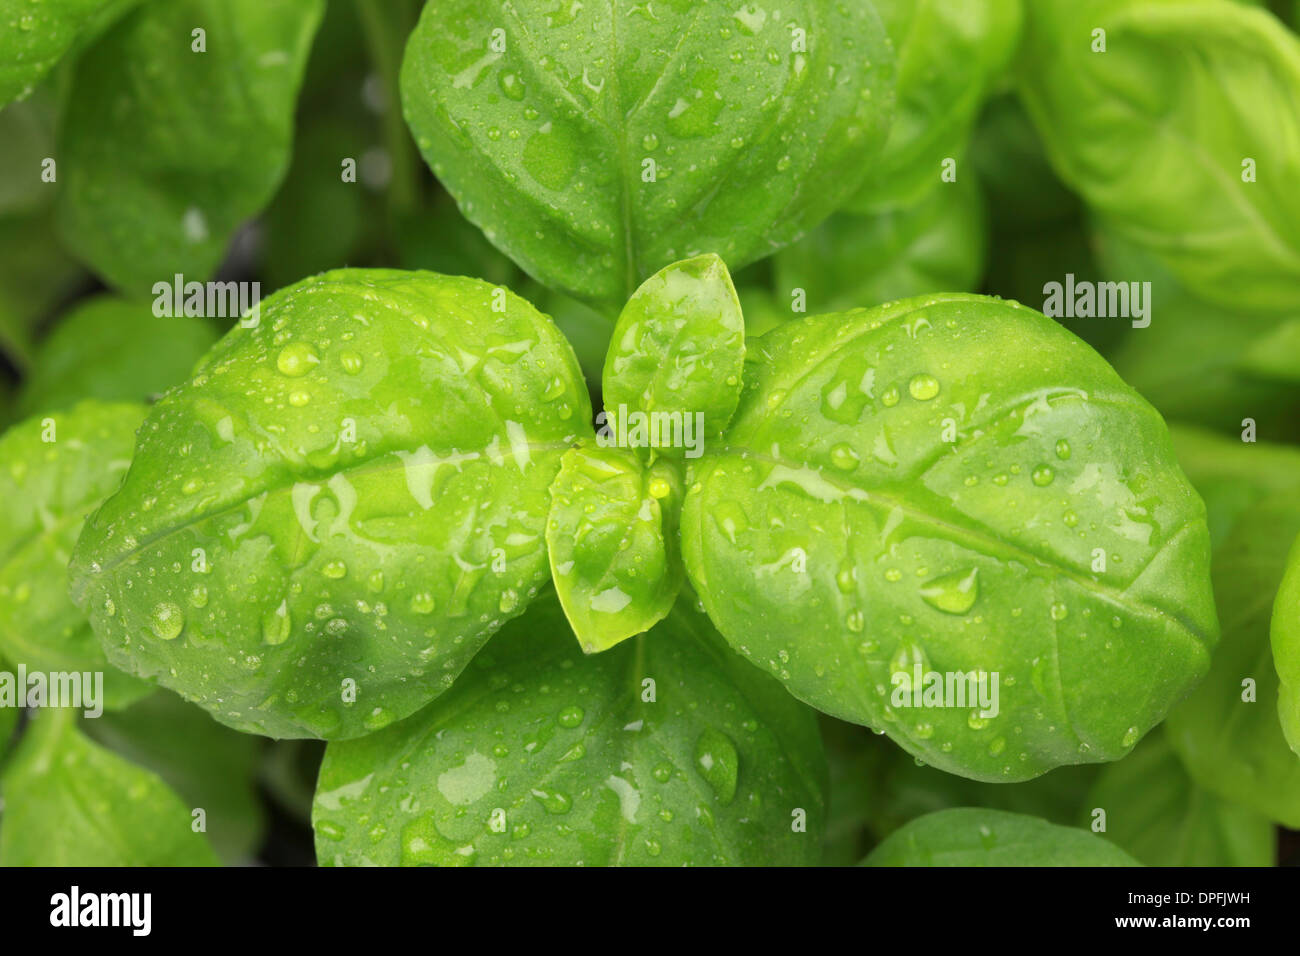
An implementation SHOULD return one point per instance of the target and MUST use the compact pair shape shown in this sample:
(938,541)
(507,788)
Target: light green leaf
(161,162)
(57,469)
(612,539)
(676,356)
(112,349)
(667,750)
(597,143)
(950,52)
(901,490)
(1158,815)
(1227,731)
(323,526)
(1153,134)
(210,766)
(855,261)
(973,837)
(1284,635)
(37,35)
(70,802)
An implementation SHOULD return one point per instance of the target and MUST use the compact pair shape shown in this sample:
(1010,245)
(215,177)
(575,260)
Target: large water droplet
(953,593)
(167,621)
(718,763)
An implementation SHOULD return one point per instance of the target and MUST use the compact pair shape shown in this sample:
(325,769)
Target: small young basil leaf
(1156,813)
(348,497)
(949,54)
(1153,135)
(112,350)
(57,469)
(853,261)
(161,163)
(975,837)
(666,751)
(210,766)
(901,493)
(597,145)
(1284,635)
(612,540)
(37,35)
(70,802)
(676,357)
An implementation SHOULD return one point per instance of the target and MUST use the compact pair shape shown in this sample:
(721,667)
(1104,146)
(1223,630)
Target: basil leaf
(973,837)
(69,802)
(950,52)
(323,526)
(38,35)
(1158,815)
(596,145)
(161,163)
(612,540)
(851,261)
(900,494)
(57,469)
(112,350)
(1284,635)
(676,356)
(1166,95)
(210,766)
(667,750)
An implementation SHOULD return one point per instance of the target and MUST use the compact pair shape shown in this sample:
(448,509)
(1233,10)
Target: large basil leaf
(974,837)
(949,54)
(854,261)
(666,750)
(1153,132)
(597,143)
(37,35)
(162,161)
(350,496)
(1158,815)
(210,766)
(70,802)
(47,487)
(112,350)
(902,490)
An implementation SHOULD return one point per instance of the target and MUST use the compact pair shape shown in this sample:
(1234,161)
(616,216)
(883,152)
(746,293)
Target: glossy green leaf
(1284,635)
(1155,812)
(901,490)
(56,470)
(667,750)
(161,162)
(595,144)
(323,526)
(210,766)
(854,261)
(70,802)
(973,837)
(612,540)
(950,52)
(678,350)
(112,350)
(1154,135)
(37,35)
